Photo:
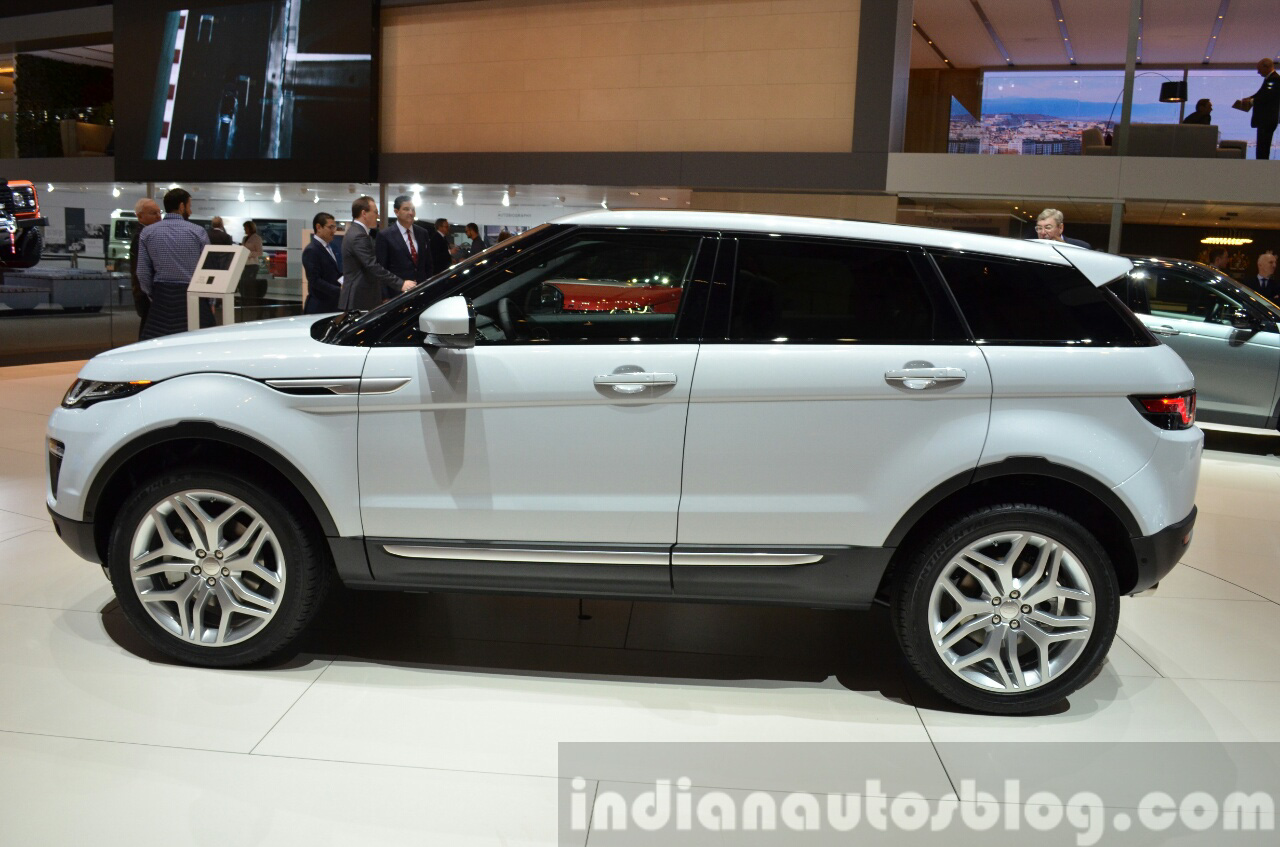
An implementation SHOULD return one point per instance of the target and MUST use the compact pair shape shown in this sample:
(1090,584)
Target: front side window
(1171,293)
(608,285)
(834,292)
(1020,302)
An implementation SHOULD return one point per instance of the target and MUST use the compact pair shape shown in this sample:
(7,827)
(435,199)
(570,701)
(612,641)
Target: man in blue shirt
(168,253)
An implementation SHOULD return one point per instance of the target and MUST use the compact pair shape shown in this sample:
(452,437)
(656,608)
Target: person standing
(1266,283)
(1203,113)
(1050,226)
(148,212)
(1220,259)
(439,234)
(364,279)
(218,235)
(324,273)
(403,248)
(477,240)
(168,252)
(1265,104)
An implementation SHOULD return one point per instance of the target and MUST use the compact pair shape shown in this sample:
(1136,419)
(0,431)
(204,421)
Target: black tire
(30,247)
(294,552)
(916,611)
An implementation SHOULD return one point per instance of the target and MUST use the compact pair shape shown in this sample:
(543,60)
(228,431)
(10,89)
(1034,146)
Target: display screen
(218,261)
(226,90)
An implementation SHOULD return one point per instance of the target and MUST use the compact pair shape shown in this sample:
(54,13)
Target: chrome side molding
(342,386)
(547,556)
(747,559)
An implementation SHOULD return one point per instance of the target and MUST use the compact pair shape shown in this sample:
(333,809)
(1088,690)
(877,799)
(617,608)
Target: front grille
(6,200)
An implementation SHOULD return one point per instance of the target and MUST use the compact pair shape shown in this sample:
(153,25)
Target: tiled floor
(435,719)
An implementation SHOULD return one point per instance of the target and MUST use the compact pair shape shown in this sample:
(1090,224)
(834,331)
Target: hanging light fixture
(506,197)
(457,198)
(115,191)
(276,197)
(240,196)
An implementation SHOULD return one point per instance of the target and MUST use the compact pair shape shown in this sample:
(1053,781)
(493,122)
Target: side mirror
(449,323)
(1241,319)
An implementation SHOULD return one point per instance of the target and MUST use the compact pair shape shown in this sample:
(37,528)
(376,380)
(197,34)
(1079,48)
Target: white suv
(694,406)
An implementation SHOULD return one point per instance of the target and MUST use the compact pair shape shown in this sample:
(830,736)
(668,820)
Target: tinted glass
(1014,302)
(595,286)
(1173,293)
(833,292)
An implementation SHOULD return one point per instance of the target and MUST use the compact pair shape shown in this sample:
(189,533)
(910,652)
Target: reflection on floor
(413,719)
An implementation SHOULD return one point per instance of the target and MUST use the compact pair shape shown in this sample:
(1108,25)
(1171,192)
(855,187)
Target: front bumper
(1157,554)
(78,535)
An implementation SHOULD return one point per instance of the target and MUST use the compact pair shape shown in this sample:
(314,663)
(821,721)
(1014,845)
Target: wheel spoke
(1011,643)
(248,596)
(962,633)
(250,535)
(1041,636)
(231,604)
(972,570)
(1040,616)
(187,512)
(987,651)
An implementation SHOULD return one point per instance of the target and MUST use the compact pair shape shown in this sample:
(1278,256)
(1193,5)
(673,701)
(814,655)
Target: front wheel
(1008,610)
(215,571)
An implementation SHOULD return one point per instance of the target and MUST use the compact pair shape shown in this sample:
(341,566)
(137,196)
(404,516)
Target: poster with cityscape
(1038,113)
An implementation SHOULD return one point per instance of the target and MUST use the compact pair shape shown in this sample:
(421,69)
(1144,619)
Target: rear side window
(833,292)
(1011,302)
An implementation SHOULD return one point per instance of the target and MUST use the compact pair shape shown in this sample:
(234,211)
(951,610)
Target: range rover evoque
(971,430)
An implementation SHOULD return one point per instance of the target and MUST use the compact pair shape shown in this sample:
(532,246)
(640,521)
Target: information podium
(217,275)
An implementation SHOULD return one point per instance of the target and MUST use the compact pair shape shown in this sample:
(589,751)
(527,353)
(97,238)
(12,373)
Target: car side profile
(970,430)
(1227,333)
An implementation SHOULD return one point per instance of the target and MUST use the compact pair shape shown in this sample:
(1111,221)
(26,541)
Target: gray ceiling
(1174,32)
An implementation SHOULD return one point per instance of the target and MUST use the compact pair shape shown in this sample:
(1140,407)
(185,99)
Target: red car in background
(612,295)
(21,237)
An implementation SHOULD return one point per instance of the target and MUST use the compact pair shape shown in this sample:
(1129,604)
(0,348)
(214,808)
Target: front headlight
(86,392)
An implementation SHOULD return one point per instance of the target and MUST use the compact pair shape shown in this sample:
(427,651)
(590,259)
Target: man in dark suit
(219,235)
(404,247)
(363,279)
(1266,283)
(148,212)
(324,276)
(440,259)
(1049,226)
(1265,104)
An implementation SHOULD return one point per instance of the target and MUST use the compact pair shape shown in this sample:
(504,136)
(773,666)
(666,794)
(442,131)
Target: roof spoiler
(1100,268)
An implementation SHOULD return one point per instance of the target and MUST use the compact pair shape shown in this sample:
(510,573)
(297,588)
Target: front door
(555,441)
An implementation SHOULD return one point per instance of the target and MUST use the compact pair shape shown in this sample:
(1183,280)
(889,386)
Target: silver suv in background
(1226,332)
(654,405)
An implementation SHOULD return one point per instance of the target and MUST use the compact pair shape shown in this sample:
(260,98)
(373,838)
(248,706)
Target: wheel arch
(1032,480)
(186,443)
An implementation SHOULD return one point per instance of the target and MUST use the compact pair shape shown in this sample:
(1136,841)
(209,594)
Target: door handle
(633,382)
(919,379)
(1164,329)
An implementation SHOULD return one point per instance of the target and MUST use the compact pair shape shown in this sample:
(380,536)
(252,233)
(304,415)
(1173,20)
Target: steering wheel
(510,316)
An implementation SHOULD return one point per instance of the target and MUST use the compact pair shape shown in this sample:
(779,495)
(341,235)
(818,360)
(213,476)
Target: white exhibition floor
(434,719)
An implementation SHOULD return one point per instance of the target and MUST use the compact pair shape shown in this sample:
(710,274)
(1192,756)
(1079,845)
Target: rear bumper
(1157,554)
(78,535)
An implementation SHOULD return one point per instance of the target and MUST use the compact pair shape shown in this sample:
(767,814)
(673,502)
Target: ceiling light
(604,203)
(634,193)
(1225,241)
(115,191)
(317,198)
(506,198)
(457,199)
(49,187)
(173,185)
(664,198)
(417,196)
(240,196)
(276,197)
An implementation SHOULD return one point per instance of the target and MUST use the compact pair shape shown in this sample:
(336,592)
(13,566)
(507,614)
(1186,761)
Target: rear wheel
(215,571)
(1008,610)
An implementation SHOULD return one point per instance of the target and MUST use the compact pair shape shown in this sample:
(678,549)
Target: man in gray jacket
(362,277)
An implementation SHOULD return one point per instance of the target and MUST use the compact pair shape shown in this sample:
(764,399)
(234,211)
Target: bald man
(1266,107)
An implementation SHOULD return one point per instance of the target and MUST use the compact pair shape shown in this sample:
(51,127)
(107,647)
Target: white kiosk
(217,275)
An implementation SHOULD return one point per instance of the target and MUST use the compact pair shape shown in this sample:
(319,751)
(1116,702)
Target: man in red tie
(402,248)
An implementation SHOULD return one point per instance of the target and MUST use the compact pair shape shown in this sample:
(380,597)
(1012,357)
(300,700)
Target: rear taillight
(1175,411)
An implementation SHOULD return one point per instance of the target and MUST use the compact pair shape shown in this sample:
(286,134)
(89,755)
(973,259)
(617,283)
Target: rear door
(1236,370)
(835,387)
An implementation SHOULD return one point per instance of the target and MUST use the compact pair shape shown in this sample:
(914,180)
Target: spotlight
(604,203)
(506,198)
(240,196)
(115,191)
(317,197)
(458,197)
(276,197)
(49,187)
(173,185)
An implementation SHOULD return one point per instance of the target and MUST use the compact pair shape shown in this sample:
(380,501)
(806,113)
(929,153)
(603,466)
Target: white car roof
(1100,268)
